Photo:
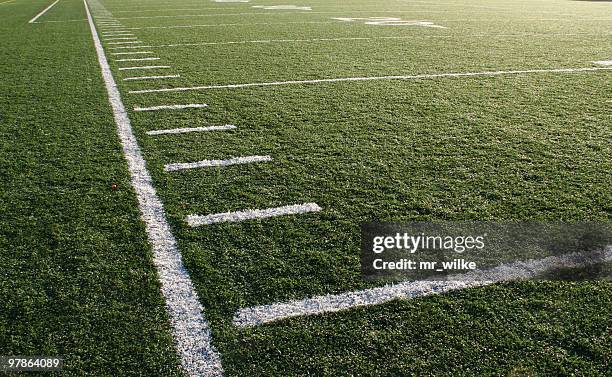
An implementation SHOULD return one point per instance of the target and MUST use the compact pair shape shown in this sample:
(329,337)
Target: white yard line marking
(192,333)
(145,67)
(123,43)
(272,13)
(120,33)
(258,315)
(129,47)
(136,59)
(217,163)
(232,24)
(6,2)
(120,38)
(194,129)
(151,77)
(252,214)
(132,53)
(172,107)
(43,12)
(603,62)
(372,78)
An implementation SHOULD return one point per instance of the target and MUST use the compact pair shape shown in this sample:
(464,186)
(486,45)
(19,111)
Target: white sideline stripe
(372,78)
(43,12)
(216,163)
(194,129)
(136,60)
(172,107)
(192,333)
(132,53)
(251,214)
(151,77)
(258,315)
(145,67)
(603,62)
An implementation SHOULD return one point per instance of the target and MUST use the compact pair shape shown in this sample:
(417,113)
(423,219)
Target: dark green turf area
(76,275)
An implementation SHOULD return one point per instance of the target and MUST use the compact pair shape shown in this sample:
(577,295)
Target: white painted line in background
(136,60)
(233,24)
(217,163)
(132,53)
(151,77)
(194,129)
(172,107)
(603,62)
(145,67)
(373,78)
(192,333)
(123,33)
(43,12)
(258,315)
(251,214)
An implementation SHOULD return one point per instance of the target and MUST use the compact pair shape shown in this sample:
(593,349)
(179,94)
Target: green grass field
(498,112)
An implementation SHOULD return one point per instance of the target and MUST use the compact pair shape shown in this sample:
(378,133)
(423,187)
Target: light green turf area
(512,147)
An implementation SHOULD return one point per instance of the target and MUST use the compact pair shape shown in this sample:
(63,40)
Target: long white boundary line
(145,67)
(217,163)
(258,315)
(251,214)
(150,77)
(172,107)
(374,78)
(43,12)
(192,333)
(193,129)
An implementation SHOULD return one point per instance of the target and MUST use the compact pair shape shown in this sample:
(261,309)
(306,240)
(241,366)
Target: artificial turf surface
(77,278)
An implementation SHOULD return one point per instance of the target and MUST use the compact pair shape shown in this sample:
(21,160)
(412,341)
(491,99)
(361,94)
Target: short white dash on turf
(151,77)
(191,331)
(119,38)
(193,129)
(129,47)
(123,43)
(118,34)
(132,53)
(258,315)
(251,214)
(172,107)
(41,13)
(136,59)
(603,62)
(373,78)
(145,67)
(217,163)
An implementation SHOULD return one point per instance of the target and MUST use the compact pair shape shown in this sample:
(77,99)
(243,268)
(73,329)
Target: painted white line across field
(217,163)
(129,47)
(136,59)
(258,315)
(604,62)
(372,78)
(43,12)
(151,77)
(193,129)
(172,107)
(251,214)
(192,333)
(231,24)
(145,67)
